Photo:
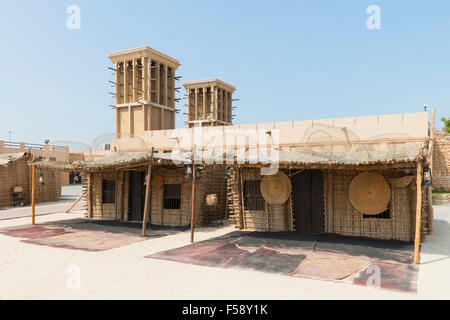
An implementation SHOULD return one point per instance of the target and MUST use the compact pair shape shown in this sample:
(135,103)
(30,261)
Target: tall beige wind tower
(144,91)
(209,102)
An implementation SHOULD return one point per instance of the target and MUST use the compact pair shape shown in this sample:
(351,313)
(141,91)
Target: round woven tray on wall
(276,188)
(369,193)
(157,181)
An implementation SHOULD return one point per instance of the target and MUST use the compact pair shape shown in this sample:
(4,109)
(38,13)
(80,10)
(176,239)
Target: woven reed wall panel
(119,210)
(51,190)
(172,217)
(213,180)
(273,218)
(342,218)
(100,210)
(18,173)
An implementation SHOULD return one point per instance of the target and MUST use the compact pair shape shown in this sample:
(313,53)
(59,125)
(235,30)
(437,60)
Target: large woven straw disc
(369,193)
(157,181)
(276,188)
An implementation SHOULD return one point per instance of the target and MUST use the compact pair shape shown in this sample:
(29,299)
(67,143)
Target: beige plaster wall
(325,135)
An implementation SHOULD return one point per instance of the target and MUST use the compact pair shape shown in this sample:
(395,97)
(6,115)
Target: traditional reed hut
(349,176)
(365,193)
(16,174)
(115,188)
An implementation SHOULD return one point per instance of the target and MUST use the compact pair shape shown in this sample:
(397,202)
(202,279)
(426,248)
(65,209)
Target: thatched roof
(7,158)
(115,160)
(364,155)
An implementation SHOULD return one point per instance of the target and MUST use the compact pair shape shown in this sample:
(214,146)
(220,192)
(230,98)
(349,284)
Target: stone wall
(441,198)
(441,161)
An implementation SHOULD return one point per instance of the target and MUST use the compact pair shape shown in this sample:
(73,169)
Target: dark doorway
(307,186)
(74,178)
(136,196)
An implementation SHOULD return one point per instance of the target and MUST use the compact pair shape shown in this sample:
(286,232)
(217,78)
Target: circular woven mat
(276,188)
(369,193)
(157,181)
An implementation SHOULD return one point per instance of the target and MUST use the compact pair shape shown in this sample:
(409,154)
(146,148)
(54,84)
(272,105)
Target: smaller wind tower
(209,103)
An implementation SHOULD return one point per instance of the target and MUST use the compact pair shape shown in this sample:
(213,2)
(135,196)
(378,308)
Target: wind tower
(209,102)
(144,91)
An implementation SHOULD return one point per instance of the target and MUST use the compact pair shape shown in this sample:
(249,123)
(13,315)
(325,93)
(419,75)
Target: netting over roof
(8,158)
(362,155)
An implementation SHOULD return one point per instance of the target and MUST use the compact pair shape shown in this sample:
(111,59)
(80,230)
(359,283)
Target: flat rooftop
(145,51)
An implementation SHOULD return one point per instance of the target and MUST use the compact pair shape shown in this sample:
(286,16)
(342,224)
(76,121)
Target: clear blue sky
(290,60)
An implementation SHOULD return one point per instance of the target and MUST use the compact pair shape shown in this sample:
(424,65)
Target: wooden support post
(194,177)
(418,213)
(33,194)
(147,195)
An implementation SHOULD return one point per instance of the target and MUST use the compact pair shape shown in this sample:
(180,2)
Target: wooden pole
(418,213)
(147,195)
(33,194)
(76,201)
(194,177)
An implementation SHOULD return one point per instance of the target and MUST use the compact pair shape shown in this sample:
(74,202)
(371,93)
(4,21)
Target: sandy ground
(29,271)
